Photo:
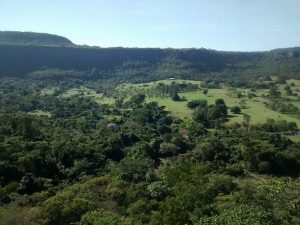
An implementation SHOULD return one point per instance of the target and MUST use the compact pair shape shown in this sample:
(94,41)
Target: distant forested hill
(30,38)
(49,51)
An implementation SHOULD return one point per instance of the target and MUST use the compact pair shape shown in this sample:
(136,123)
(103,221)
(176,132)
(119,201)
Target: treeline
(31,58)
(163,90)
(141,65)
(283,107)
(31,38)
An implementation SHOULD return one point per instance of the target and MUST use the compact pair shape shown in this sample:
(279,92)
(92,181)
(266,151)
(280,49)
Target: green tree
(239,215)
(101,217)
(175,97)
(137,100)
(235,110)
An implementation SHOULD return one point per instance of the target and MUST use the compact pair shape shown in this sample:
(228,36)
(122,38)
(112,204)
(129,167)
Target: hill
(31,38)
(23,53)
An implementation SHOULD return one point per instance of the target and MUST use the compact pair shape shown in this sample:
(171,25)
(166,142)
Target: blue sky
(238,25)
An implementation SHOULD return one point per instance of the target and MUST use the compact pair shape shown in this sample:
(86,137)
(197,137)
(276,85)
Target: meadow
(99,98)
(255,106)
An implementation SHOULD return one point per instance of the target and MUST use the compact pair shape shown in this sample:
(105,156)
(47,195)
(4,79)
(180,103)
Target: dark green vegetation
(140,65)
(30,38)
(78,147)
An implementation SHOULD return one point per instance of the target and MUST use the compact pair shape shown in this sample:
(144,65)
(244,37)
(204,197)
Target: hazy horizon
(229,25)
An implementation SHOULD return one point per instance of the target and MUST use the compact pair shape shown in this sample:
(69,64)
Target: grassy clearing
(255,107)
(111,117)
(48,91)
(296,82)
(295,138)
(180,109)
(260,113)
(177,109)
(99,98)
(168,82)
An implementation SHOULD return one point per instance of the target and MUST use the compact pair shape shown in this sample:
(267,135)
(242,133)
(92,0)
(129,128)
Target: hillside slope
(30,38)
(22,53)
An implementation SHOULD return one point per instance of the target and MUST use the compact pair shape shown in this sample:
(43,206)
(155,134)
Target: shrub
(235,110)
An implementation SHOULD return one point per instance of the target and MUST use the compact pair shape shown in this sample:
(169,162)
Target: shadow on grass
(180,100)
(228,117)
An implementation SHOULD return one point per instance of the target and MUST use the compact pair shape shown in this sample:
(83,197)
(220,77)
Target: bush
(101,217)
(197,103)
(235,110)
(239,215)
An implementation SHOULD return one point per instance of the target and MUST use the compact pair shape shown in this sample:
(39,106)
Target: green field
(254,107)
(48,91)
(99,98)
(169,82)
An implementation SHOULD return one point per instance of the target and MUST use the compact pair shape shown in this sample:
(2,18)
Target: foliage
(30,38)
(239,215)
(79,146)
(235,110)
(211,115)
(202,103)
(101,217)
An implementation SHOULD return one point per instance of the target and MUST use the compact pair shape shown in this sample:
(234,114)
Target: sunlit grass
(254,107)
(99,97)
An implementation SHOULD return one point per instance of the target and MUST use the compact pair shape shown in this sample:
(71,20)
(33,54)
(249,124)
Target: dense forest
(30,38)
(17,59)
(79,146)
